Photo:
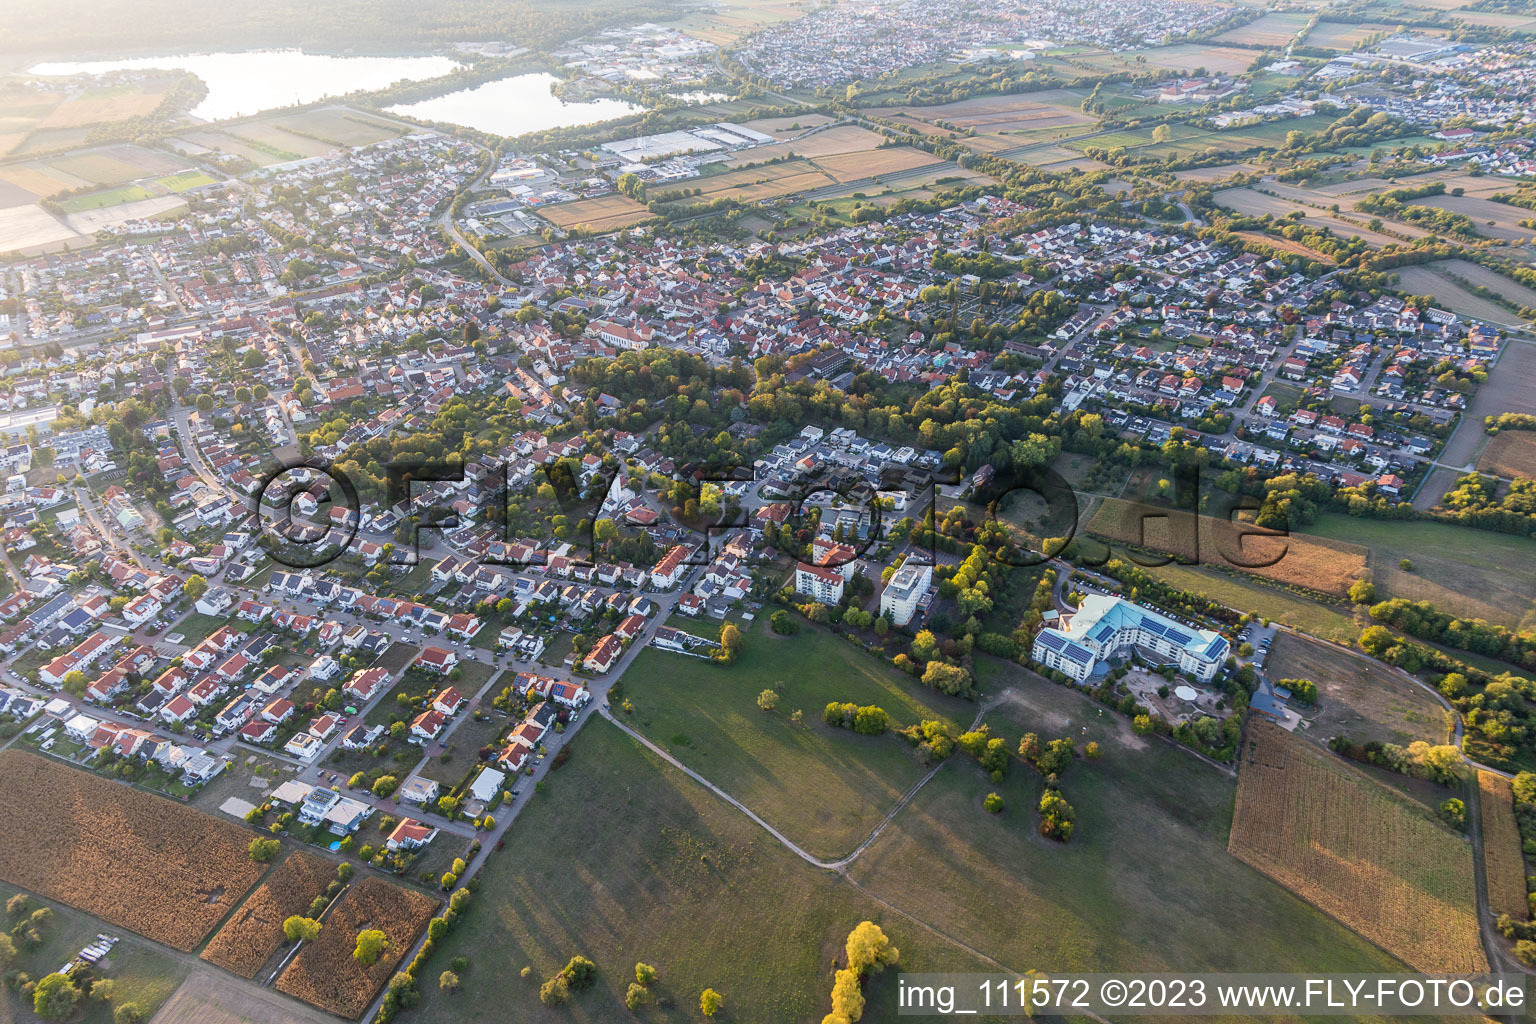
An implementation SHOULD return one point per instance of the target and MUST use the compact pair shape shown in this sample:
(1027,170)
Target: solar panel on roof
(1053,641)
(1178,637)
(1153,627)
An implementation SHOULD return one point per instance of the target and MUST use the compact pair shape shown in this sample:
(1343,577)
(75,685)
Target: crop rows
(1357,851)
(325,973)
(142,862)
(1502,858)
(255,931)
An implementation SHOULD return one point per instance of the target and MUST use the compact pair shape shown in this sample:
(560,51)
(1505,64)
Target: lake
(514,106)
(248,83)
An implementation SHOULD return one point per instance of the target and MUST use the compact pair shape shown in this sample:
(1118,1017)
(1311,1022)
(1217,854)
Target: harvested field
(1343,35)
(115,103)
(31,227)
(1497,20)
(845,138)
(1275,29)
(255,931)
(1503,862)
(325,974)
(890,160)
(1216,172)
(787,127)
(143,863)
(605,213)
(1217,60)
(208,997)
(39,179)
(1358,851)
(1325,566)
(1511,453)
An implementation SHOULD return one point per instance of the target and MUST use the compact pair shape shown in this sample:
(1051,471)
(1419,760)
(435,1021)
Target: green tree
(263,850)
(767,700)
(195,587)
(371,944)
(448,981)
(993,803)
(298,928)
(128,1013)
(1362,592)
(645,974)
(55,997)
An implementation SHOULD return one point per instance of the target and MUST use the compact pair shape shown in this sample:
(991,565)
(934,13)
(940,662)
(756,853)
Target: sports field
(1359,851)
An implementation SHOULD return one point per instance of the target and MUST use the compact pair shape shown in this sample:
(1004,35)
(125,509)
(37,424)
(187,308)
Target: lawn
(708,717)
(825,788)
(1146,883)
(624,859)
(1462,571)
(141,973)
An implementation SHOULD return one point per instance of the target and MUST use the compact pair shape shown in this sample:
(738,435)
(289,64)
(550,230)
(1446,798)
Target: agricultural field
(999,122)
(1360,852)
(141,862)
(1503,861)
(1462,571)
(47,118)
(769,763)
(787,127)
(1357,697)
(1272,30)
(209,997)
(605,213)
(1146,883)
(1497,20)
(32,227)
(1315,213)
(1326,566)
(726,22)
(255,931)
(325,973)
(1510,453)
(844,138)
(1343,35)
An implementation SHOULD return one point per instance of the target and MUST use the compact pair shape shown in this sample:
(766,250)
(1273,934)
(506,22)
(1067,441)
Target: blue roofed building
(1105,624)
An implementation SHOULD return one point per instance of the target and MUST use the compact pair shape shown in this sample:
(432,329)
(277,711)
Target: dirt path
(841,864)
